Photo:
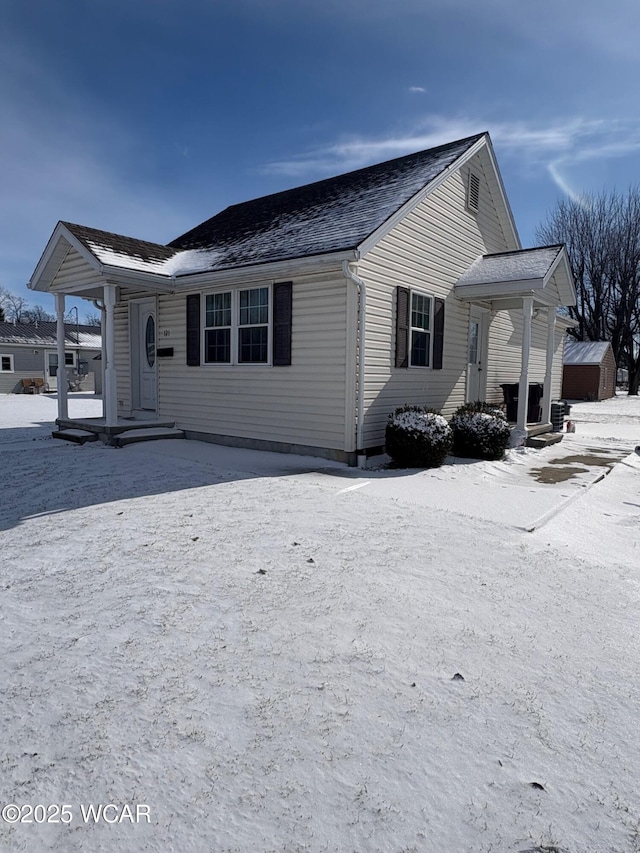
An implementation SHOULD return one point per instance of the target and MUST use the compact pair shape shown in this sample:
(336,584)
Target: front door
(478,334)
(145,380)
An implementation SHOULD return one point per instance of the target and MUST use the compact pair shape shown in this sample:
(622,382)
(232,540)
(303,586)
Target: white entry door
(147,372)
(478,334)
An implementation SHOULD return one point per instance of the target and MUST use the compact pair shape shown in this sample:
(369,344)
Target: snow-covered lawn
(276,653)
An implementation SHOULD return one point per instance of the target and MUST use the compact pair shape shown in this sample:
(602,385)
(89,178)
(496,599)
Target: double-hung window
(421,319)
(237,326)
(6,364)
(217,333)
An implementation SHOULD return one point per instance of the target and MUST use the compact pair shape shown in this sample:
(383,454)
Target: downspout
(362,307)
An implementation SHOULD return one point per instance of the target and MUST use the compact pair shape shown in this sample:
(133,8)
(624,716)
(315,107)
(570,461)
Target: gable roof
(45,334)
(327,216)
(504,275)
(585,352)
(330,216)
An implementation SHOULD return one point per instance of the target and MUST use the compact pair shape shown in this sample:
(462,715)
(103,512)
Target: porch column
(551,345)
(523,389)
(61,373)
(110,377)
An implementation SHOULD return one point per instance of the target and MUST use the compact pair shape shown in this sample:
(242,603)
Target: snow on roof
(585,352)
(521,265)
(45,334)
(336,214)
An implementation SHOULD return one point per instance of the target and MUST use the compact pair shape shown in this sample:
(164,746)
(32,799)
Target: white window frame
(234,328)
(420,329)
(11,368)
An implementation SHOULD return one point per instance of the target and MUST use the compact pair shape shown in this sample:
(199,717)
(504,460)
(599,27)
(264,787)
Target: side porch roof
(505,278)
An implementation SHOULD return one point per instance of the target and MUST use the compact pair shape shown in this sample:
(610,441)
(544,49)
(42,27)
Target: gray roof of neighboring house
(332,215)
(45,334)
(585,352)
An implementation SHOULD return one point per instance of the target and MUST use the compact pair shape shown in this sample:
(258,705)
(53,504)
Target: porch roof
(505,278)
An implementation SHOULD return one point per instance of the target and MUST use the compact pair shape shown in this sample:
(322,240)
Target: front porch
(126,430)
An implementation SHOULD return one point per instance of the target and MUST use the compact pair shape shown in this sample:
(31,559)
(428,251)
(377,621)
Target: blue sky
(145,117)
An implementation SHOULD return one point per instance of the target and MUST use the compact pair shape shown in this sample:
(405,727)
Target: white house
(300,320)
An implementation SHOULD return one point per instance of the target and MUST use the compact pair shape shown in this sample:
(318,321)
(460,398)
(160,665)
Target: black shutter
(282,314)
(438,333)
(193,330)
(402,327)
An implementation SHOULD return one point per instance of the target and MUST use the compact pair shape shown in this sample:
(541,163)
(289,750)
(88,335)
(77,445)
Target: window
(6,364)
(237,327)
(253,333)
(420,330)
(68,359)
(217,335)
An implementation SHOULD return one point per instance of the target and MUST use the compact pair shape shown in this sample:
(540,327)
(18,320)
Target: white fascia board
(415,200)
(503,195)
(150,280)
(269,271)
(499,289)
(53,257)
(562,261)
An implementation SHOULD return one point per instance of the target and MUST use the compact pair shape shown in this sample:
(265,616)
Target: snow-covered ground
(266,650)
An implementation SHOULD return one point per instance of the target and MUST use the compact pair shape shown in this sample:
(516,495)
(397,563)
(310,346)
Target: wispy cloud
(417,90)
(551,147)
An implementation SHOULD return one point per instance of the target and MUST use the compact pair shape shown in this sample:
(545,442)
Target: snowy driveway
(262,648)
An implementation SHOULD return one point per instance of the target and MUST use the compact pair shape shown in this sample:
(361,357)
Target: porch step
(151,434)
(543,439)
(77,436)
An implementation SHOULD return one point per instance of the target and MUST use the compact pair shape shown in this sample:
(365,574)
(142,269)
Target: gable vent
(473,192)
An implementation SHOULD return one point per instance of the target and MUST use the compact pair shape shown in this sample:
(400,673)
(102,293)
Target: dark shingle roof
(327,216)
(333,215)
(142,249)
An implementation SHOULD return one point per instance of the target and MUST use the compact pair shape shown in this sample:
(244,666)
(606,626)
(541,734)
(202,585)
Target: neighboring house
(30,351)
(589,371)
(300,320)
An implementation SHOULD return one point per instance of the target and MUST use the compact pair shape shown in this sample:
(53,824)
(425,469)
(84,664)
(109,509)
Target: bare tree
(92,320)
(37,314)
(13,306)
(602,235)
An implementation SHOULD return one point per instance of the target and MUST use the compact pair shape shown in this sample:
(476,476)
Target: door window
(150,340)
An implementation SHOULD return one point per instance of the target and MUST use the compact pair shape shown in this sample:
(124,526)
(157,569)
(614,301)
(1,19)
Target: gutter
(362,307)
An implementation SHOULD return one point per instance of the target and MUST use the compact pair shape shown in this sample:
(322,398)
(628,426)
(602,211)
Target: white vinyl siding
(74,272)
(428,251)
(303,403)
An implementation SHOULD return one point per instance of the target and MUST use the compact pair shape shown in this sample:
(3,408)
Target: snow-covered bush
(480,431)
(417,437)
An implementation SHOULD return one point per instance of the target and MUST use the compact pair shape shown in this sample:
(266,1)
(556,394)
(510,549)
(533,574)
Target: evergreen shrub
(480,431)
(418,437)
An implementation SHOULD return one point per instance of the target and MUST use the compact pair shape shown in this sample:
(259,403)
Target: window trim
(429,331)
(11,357)
(235,327)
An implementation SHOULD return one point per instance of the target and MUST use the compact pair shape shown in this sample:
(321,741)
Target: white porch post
(523,389)
(551,345)
(110,377)
(61,374)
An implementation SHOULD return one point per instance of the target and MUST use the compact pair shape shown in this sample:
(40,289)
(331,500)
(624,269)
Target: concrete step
(544,439)
(151,434)
(77,436)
